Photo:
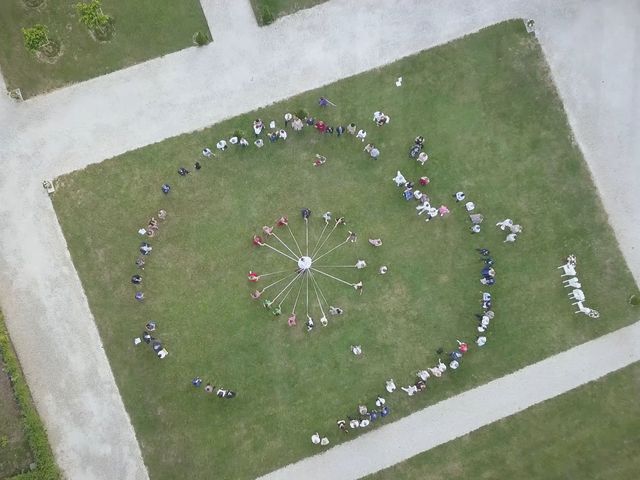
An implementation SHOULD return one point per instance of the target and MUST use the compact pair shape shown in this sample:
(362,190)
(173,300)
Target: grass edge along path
(46,468)
(268,11)
(590,432)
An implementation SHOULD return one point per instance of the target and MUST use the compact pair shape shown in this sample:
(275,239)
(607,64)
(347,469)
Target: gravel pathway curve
(592,63)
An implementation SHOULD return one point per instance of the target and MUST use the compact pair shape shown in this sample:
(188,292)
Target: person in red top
(282,221)
(462,346)
(321,126)
(253,276)
(257,241)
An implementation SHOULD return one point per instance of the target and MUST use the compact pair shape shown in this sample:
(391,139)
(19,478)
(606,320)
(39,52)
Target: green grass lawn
(267,11)
(590,432)
(495,128)
(144,29)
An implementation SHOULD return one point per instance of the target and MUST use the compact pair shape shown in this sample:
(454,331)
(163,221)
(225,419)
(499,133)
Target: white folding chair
(577,294)
(572,282)
(589,312)
(569,270)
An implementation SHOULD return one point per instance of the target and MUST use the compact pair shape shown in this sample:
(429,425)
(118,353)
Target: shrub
(46,468)
(92,16)
(266,16)
(201,39)
(239,133)
(634,300)
(35,37)
(301,114)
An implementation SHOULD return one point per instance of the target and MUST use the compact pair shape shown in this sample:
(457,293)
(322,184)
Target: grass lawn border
(265,16)
(46,468)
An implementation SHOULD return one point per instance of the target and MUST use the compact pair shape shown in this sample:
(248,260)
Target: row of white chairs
(577,294)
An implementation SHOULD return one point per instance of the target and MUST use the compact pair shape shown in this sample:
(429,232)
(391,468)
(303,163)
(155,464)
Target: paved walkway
(587,44)
(460,415)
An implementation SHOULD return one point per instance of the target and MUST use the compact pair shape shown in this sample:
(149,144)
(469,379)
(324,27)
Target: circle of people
(364,415)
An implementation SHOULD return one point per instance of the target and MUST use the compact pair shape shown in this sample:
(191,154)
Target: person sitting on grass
(257,241)
(356,350)
(376,242)
(342,425)
(321,126)
(258,125)
(320,160)
(297,124)
(390,385)
(411,390)
(255,295)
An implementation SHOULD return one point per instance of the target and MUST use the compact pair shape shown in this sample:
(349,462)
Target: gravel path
(467,412)
(593,65)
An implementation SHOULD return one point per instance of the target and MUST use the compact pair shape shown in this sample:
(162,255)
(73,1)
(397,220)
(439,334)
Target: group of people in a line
(364,416)
(220,392)
(145,250)
(150,340)
(488,273)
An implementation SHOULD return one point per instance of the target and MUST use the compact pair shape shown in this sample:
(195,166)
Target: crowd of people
(364,415)
(220,392)
(145,249)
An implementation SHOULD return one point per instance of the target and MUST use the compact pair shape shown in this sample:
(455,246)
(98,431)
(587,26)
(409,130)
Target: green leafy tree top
(35,37)
(92,16)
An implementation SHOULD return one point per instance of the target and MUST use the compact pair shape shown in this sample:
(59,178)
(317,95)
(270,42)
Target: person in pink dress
(443,210)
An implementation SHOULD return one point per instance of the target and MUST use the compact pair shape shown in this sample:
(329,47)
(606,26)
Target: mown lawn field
(495,128)
(144,29)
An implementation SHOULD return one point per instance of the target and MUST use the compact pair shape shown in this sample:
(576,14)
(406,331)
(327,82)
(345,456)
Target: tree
(36,37)
(92,16)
